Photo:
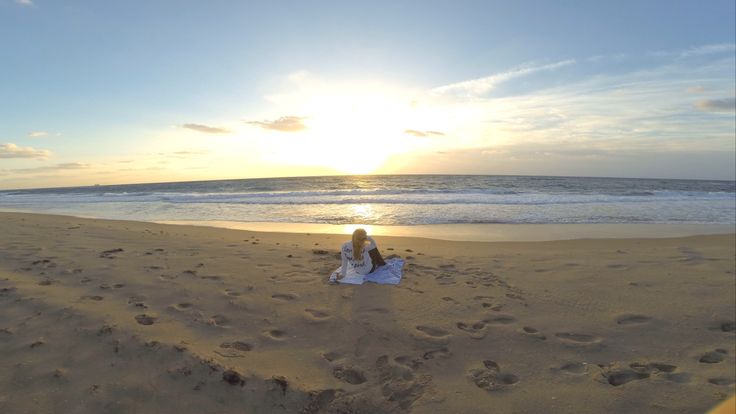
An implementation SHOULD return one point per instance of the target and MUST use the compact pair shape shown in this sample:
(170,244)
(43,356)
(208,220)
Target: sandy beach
(133,317)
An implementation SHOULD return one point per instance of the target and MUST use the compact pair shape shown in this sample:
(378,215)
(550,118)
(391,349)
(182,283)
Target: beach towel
(388,274)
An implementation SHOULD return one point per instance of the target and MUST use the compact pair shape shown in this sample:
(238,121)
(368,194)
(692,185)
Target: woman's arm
(372,244)
(344,270)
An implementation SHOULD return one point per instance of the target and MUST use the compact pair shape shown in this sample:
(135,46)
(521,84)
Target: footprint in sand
(316,315)
(182,306)
(437,353)
(284,296)
(652,367)
(214,278)
(475,329)
(713,357)
(399,383)
(105,330)
(233,377)
(577,338)
(533,332)
(36,344)
(728,326)
(491,378)
(621,377)
(332,356)
(632,319)
(721,381)
(445,279)
(451,300)
(573,368)
(237,345)
(433,332)
(413,363)
(96,298)
(219,320)
(351,375)
(110,254)
(500,320)
(144,319)
(275,334)
(232,292)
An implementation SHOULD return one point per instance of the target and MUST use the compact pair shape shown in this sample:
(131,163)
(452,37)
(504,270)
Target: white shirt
(362,266)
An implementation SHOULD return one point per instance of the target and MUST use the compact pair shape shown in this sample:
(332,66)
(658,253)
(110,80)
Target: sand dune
(122,317)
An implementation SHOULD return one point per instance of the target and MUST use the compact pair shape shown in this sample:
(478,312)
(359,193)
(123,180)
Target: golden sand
(128,317)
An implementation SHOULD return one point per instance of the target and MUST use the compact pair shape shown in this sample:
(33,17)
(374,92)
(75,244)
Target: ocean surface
(395,200)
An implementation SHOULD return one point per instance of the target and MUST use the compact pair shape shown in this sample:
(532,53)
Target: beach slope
(120,317)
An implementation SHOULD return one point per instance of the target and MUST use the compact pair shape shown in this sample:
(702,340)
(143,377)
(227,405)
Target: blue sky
(134,91)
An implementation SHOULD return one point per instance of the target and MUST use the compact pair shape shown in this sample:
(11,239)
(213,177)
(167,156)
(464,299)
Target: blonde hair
(359,238)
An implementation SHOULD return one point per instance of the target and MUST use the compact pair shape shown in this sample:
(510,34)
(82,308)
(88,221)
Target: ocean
(404,200)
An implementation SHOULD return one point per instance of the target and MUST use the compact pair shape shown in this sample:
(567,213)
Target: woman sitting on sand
(360,254)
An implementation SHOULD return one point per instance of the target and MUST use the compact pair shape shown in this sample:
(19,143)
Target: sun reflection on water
(361,213)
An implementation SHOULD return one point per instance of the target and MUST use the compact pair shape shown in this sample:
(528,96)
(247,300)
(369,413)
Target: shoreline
(478,232)
(482,232)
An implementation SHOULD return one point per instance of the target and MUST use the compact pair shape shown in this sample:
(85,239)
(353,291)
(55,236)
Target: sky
(95,92)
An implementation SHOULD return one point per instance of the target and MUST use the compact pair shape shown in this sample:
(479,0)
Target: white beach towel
(389,274)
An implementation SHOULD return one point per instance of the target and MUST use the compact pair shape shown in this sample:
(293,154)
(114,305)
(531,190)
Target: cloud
(422,133)
(13,151)
(283,124)
(709,49)
(695,89)
(37,134)
(717,105)
(206,129)
(183,154)
(481,86)
(58,167)
(25,2)
(68,166)
(190,152)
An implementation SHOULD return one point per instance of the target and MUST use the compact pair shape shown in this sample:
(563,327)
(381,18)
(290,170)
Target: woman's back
(363,264)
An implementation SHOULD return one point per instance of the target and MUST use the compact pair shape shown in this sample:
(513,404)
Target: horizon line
(361,175)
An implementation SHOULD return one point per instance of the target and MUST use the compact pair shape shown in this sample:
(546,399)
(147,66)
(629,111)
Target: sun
(351,128)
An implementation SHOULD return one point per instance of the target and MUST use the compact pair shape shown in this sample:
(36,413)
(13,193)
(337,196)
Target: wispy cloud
(613,116)
(25,2)
(481,86)
(37,134)
(11,150)
(206,129)
(183,154)
(53,168)
(702,50)
(695,89)
(709,49)
(283,124)
(717,105)
(417,133)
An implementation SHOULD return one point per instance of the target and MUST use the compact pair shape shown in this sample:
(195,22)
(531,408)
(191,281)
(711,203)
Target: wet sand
(120,317)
